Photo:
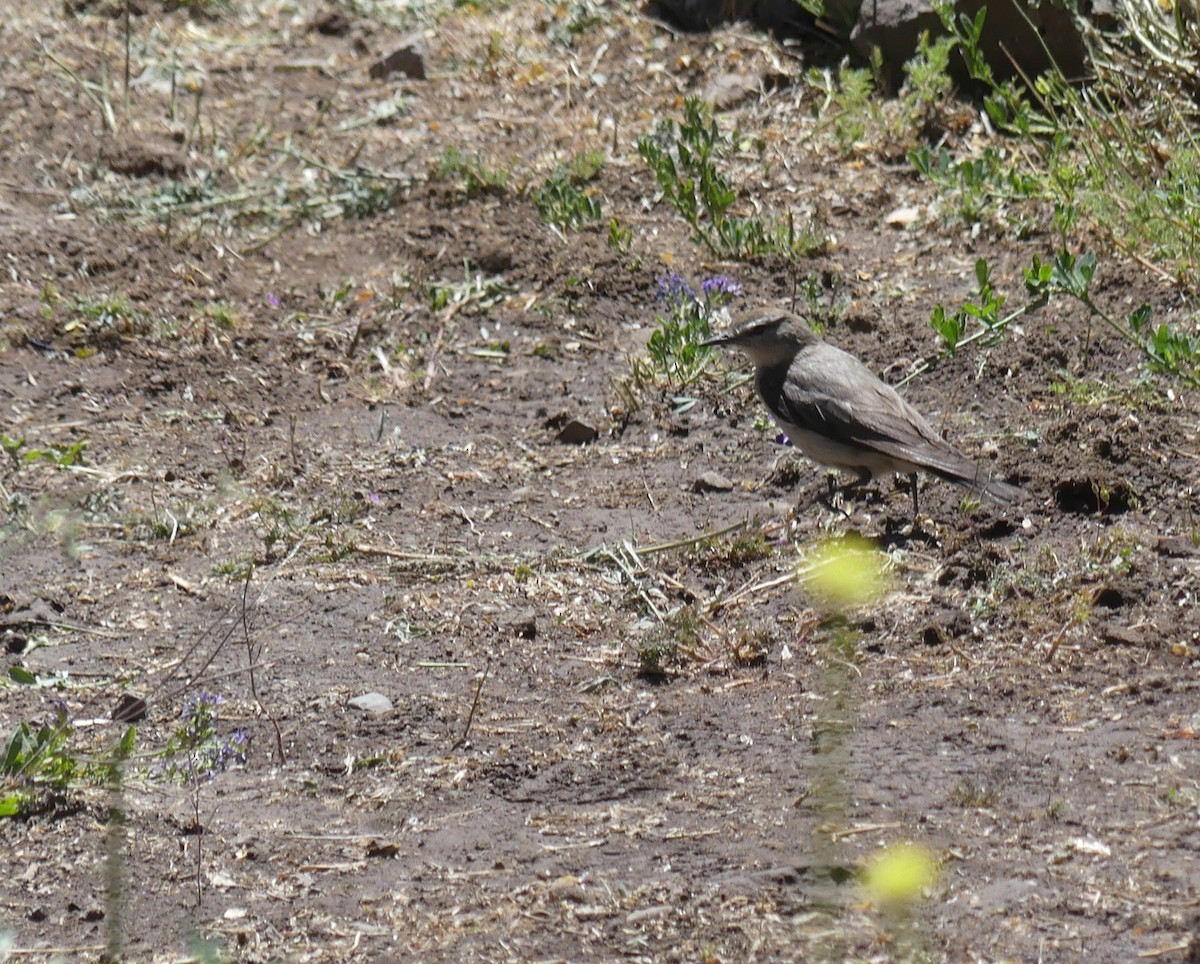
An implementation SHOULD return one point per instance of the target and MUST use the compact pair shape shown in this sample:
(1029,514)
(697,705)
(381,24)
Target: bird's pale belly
(827,451)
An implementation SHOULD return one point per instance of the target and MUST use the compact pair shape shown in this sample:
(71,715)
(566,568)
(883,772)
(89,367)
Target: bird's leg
(837,495)
(912,487)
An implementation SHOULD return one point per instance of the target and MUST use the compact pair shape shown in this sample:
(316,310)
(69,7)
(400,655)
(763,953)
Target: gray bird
(838,413)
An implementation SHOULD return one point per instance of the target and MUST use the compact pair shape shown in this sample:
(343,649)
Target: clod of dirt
(575,432)
(331,23)
(950,625)
(145,160)
(130,709)
(407,59)
(1122,636)
(523,627)
(712,482)
(374,703)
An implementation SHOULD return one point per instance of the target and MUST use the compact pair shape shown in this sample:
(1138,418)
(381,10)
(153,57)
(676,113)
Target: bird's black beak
(722,339)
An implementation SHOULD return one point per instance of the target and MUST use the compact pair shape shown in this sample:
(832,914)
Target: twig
(694,540)
(474,706)
(864,828)
(250,667)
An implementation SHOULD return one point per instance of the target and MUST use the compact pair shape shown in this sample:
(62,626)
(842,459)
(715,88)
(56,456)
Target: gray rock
(374,703)
(712,482)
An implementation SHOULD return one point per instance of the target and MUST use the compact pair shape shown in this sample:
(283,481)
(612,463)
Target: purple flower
(674,289)
(273,299)
(721,285)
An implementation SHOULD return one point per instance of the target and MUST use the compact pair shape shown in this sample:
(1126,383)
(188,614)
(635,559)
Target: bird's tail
(984,484)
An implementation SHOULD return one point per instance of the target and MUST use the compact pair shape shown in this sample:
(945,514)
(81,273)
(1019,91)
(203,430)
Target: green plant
(685,159)
(196,749)
(620,238)
(561,202)
(472,171)
(675,348)
(37,768)
(64,456)
(104,319)
(1167,351)
(978,186)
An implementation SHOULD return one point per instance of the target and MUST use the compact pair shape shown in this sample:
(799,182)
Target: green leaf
(19,674)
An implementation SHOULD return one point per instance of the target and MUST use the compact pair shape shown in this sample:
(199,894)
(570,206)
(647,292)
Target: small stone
(712,482)
(374,703)
(567,887)
(728,90)
(902,217)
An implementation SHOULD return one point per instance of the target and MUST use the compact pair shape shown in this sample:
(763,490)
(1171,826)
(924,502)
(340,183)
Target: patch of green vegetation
(64,456)
(562,200)
(1166,351)
(974,796)
(365,196)
(474,294)
(732,551)
(218,314)
(572,20)
(1115,158)
(863,122)
(38,767)
(472,171)
(104,319)
(686,158)
(977,186)
(620,238)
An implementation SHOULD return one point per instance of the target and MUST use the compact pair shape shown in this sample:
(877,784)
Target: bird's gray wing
(831,393)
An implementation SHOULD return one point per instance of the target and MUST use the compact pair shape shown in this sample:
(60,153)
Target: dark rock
(576,432)
(130,709)
(894,26)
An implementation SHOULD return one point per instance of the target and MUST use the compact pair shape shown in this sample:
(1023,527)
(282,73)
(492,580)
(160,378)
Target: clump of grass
(732,551)
(974,796)
(563,200)
(687,159)
(104,320)
(474,174)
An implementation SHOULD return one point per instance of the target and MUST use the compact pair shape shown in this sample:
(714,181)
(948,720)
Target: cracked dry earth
(273,388)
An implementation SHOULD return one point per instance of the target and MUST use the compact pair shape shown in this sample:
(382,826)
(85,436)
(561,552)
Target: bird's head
(768,335)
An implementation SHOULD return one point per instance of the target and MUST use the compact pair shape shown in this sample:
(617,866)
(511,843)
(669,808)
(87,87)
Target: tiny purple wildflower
(273,299)
(721,285)
(674,289)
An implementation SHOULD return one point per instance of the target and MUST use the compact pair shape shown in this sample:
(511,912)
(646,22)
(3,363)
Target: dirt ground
(297,348)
